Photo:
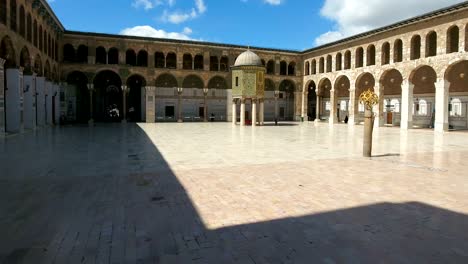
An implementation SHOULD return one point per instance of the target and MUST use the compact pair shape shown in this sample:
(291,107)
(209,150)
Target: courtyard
(217,193)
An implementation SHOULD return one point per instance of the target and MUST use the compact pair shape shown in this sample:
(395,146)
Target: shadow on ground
(106,195)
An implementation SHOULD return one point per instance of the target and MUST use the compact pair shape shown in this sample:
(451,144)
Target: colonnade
(258,115)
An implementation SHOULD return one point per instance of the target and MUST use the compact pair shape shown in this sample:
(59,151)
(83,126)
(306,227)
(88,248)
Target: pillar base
(179,121)
(124,121)
(441,127)
(91,122)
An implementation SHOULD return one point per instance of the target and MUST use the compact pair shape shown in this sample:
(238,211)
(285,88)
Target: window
(455,107)
(396,105)
(237,81)
(327,106)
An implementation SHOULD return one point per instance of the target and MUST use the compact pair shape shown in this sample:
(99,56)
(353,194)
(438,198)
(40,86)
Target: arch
(370,55)
(47,70)
(166,80)
(224,64)
(338,61)
(22,21)
(364,82)
(307,68)
(423,78)
(13,15)
(35,29)
(270,68)
(29,27)
(25,60)
(457,75)
(321,65)
(130,57)
(311,100)
(398,51)
(8,53)
(385,53)
(313,67)
(82,54)
(217,82)
(79,81)
(101,55)
(108,90)
(292,68)
(287,86)
(347,61)
(453,38)
(135,84)
(359,57)
(68,53)
(329,63)
(171,60)
(113,56)
(263,62)
(214,63)
(198,62)
(38,65)
(431,44)
(342,86)
(283,68)
(193,81)
(391,81)
(142,58)
(40,38)
(269,85)
(415,47)
(3,12)
(159,60)
(324,88)
(187,63)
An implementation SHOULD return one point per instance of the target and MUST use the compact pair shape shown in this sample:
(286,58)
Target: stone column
(29,91)
(40,100)
(205,107)
(179,105)
(276,107)
(262,112)
(91,108)
(353,107)
(298,105)
(242,112)
(406,105)
(441,105)
(12,100)
(2,97)
(150,104)
(317,107)
(254,112)
(303,106)
(333,119)
(378,109)
(124,101)
(234,112)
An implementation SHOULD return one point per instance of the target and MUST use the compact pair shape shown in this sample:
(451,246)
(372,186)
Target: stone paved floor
(213,193)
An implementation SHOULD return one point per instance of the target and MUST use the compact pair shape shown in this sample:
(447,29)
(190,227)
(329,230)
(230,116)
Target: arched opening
(35,34)
(313,67)
(22,26)
(385,53)
(38,65)
(8,53)
(329,63)
(283,68)
(324,94)
(339,61)
(101,55)
(342,86)
(398,51)
(68,53)
(214,63)
(347,62)
(108,100)
(198,62)
(359,57)
(286,100)
(415,47)
(25,61)
(135,84)
(29,28)
(13,15)
(453,38)
(311,101)
(321,65)
(142,59)
(3,12)
(224,64)
(431,44)
(364,82)
(171,60)
(457,75)
(159,60)
(391,81)
(47,74)
(130,57)
(166,80)
(78,102)
(113,56)
(307,68)
(423,78)
(40,38)
(270,67)
(193,81)
(82,54)
(217,82)
(187,63)
(370,55)
(45,47)
(292,68)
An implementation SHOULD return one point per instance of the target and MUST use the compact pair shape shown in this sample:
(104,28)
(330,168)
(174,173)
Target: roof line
(57,20)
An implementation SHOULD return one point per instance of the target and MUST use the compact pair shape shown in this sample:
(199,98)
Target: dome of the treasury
(248,58)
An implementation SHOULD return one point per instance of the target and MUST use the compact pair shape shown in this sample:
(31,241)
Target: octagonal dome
(248,58)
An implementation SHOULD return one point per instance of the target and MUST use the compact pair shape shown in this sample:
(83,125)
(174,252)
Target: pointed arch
(8,53)
(171,60)
(166,80)
(142,58)
(217,82)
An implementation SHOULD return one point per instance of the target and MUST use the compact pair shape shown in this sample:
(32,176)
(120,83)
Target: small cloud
(146,4)
(328,37)
(201,7)
(273,2)
(148,31)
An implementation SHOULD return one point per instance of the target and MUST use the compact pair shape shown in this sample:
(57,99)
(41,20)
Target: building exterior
(419,68)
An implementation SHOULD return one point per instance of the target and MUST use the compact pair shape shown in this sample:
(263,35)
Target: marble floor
(214,193)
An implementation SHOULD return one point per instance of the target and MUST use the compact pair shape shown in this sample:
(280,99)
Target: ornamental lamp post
(179,104)
(205,106)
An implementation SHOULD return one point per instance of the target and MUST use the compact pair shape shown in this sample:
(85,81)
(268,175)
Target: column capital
(90,87)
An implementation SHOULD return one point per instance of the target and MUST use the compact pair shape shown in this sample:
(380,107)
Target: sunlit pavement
(217,193)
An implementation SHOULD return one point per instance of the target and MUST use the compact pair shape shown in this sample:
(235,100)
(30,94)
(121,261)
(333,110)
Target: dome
(248,58)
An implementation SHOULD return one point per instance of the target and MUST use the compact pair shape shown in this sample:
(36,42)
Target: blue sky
(285,24)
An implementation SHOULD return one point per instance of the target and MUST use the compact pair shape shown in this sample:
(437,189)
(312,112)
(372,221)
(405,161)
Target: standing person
(346,119)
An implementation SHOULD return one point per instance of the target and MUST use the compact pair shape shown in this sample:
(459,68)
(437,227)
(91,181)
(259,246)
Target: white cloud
(150,4)
(201,7)
(355,16)
(273,2)
(148,31)
(177,17)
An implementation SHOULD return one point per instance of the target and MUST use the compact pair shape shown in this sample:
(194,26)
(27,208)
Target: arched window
(214,63)
(329,63)
(270,67)
(347,62)
(13,15)
(321,65)
(68,53)
(313,67)
(45,46)
(385,53)
(198,62)
(338,61)
(3,12)
(292,69)
(455,107)
(82,54)
(130,57)
(422,111)
(283,68)
(22,21)
(307,68)
(398,51)
(29,28)
(101,56)
(142,58)
(40,38)
(370,55)
(159,60)
(113,56)
(224,64)
(415,47)
(359,57)
(453,37)
(431,44)
(171,60)
(35,33)
(187,62)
